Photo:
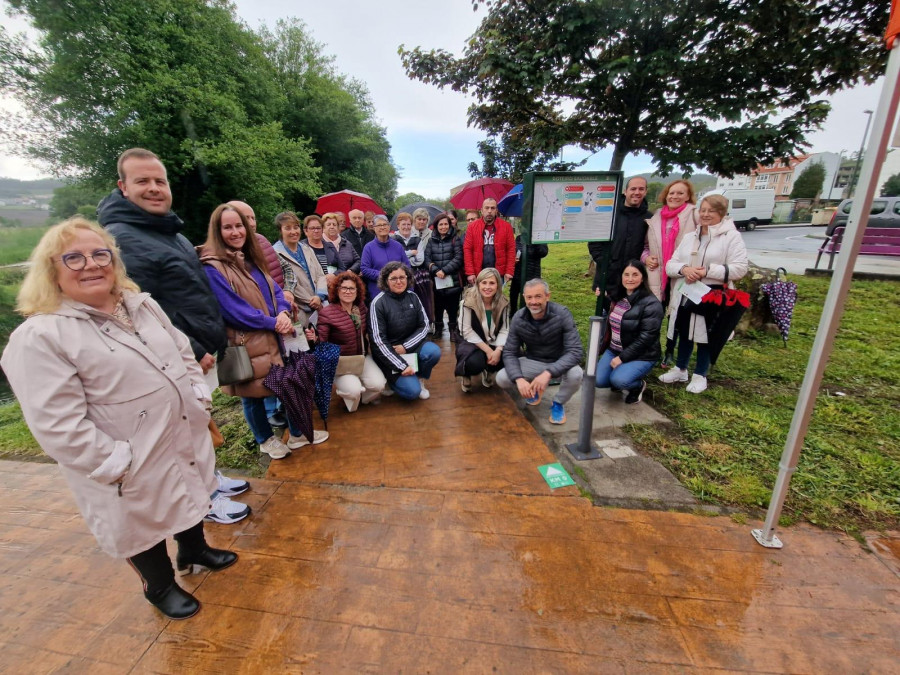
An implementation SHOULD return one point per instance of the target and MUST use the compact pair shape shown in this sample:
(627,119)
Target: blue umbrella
(511,204)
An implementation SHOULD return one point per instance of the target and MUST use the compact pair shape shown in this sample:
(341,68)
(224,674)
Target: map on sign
(573,210)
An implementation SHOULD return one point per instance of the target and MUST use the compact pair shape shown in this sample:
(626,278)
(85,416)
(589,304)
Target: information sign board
(569,206)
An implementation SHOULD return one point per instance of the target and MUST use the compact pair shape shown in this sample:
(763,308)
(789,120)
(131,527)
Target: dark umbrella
(511,205)
(345,201)
(294,383)
(472,194)
(782,295)
(326,357)
(409,208)
(719,328)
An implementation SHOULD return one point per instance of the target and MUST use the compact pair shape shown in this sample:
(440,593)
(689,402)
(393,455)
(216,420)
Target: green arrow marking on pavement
(555,475)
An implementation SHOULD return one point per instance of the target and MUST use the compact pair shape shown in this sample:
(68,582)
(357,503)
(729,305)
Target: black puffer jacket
(163,263)
(553,340)
(640,328)
(629,236)
(444,253)
(536,252)
(396,319)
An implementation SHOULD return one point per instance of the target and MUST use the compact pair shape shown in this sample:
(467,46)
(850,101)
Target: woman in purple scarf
(665,231)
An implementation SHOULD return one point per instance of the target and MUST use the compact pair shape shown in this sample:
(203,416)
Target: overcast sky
(427,126)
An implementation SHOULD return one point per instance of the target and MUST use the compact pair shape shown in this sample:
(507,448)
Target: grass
(16,243)
(726,444)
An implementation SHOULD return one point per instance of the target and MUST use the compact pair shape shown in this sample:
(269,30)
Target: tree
(891,186)
(332,111)
(76,198)
(689,82)
(653,191)
(181,77)
(809,183)
(512,160)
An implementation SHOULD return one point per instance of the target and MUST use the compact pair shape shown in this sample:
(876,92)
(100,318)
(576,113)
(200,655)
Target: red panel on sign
(574,188)
(606,188)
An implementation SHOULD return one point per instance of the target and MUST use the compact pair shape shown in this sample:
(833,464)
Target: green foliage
(809,183)
(725,444)
(512,160)
(16,244)
(76,198)
(891,187)
(689,82)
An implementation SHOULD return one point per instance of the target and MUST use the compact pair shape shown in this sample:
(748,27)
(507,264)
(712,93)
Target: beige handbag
(351,365)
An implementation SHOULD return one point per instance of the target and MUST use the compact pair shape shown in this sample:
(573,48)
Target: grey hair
(536,282)
(380,216)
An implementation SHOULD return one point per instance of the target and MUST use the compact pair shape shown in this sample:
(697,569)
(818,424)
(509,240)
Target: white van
(748,208)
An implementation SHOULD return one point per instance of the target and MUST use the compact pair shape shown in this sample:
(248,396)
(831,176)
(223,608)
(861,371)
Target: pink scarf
(668,235)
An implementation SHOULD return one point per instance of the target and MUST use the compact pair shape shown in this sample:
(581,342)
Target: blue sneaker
(557,413)
(534,400)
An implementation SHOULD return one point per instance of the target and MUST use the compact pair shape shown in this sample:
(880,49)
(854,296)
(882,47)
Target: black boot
(454,334)
(213,559)
(175,602)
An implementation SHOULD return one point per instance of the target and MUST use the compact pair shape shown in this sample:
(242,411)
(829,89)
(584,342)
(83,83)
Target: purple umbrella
(295,383)
(782,297)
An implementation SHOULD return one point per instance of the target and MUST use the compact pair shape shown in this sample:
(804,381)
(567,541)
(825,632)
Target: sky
(426,126)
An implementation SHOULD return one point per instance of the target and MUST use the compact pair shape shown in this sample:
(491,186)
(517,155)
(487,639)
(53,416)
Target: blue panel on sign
(603,209)
(572,209)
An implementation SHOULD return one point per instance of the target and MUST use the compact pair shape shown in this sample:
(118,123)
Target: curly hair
(386,272)
(335,284)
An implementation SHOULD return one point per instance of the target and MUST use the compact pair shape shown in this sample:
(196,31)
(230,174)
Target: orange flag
(893,29)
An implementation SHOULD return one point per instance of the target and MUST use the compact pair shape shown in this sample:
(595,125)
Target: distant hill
(12,187)
(700,181)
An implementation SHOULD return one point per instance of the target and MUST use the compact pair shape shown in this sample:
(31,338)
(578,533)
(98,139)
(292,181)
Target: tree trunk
(759,316)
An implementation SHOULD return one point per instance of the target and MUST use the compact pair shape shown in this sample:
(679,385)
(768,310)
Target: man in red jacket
(489,242)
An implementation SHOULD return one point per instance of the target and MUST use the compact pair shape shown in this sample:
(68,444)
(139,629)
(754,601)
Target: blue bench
(876,241)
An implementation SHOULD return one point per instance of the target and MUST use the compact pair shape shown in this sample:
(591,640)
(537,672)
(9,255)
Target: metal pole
(583,449)
(859,157)
(834,301)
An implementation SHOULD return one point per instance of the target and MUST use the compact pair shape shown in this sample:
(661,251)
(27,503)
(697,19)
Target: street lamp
(862,148)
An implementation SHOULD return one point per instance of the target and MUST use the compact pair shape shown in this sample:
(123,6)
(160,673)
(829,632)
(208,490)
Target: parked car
(885,212)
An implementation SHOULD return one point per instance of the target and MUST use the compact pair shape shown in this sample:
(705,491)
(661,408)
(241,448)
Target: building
(778,176)
(739,182)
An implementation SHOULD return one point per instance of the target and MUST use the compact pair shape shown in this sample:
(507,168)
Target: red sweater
(272,264)
(336,326)
(504,247)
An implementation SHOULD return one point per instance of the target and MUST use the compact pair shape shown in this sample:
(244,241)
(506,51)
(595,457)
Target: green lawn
(16,243)
(727,442)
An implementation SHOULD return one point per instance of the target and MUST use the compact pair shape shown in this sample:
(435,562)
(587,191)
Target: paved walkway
(421,538)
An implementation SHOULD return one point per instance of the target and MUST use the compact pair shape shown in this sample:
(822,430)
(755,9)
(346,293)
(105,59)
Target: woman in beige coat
(665,231)
(112,391)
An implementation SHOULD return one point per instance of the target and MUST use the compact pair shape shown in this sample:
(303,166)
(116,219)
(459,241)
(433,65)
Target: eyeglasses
(381,223)
(313,228)
(394,280)
(349,289)
(77,262)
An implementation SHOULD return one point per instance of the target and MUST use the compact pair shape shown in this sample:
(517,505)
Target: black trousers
(476,363)
(446,299)
(155,567)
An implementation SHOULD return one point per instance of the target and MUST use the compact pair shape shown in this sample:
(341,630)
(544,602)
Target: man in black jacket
(138,213)
(543,343)
(629,235)
(358,234)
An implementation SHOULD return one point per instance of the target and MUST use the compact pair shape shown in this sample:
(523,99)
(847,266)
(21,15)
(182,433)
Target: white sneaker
(231,486)
(697,385)
(387,391)
(226,511)
(487,379)
(424,394)
(465,383)
(274,448)
(319,436)
(674,375)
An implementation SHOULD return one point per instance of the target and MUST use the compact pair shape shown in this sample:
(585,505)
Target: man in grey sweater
(543,343)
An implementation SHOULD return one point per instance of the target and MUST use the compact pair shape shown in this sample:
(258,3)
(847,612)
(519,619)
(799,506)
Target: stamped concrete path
(421,538)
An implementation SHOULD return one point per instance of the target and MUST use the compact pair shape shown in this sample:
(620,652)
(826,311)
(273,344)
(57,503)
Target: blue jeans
(273,405)
(407,386)
(685,347)
(627,376)
(258,420)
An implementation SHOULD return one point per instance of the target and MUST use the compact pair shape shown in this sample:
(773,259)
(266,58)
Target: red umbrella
(346,200)
(473,193)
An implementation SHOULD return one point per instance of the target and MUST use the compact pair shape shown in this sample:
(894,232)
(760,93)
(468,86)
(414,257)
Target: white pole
(833,310)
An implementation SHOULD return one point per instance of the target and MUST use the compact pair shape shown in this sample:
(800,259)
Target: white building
(739,182)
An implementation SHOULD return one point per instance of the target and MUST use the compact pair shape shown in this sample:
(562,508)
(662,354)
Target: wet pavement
(421,538)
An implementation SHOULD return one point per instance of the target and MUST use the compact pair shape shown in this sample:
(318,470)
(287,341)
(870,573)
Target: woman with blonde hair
(112,391)
(303,275)
(338,250)
(484,327)
(666,230)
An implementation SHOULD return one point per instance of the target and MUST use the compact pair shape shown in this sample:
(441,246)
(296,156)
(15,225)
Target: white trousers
(366,388)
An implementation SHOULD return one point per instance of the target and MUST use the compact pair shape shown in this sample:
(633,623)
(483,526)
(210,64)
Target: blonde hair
(40,292)
(717,203)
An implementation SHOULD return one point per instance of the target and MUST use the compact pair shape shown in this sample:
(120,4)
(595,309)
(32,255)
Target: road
(794,248)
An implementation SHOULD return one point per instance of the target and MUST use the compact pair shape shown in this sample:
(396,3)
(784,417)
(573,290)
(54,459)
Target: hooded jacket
(161,260)
(629,237)
(118,411)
